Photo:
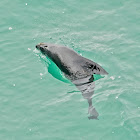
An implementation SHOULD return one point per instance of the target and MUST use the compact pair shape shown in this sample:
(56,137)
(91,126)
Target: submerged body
(77,69)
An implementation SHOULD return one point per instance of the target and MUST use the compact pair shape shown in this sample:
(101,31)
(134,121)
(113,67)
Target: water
(34,104)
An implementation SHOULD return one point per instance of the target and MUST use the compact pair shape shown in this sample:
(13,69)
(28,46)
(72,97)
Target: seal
(73,65)
(76,68)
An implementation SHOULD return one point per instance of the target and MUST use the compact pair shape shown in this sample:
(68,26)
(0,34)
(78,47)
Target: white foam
(116,97)
(112,78)
(36,50)
(10,28)
(41,74)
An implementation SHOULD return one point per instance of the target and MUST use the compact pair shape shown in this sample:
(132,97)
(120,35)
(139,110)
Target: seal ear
(96,69)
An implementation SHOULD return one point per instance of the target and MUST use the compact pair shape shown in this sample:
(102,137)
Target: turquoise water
(34,105)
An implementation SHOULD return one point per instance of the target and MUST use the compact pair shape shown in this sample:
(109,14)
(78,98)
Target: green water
(34,105)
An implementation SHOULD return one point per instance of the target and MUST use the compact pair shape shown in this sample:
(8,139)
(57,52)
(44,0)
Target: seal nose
(38,46)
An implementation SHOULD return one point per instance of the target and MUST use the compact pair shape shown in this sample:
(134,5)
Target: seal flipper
(96,68)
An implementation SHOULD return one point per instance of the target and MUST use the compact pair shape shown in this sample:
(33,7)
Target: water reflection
(86,86)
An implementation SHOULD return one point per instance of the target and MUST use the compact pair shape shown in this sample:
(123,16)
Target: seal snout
(38,46)
(41,45)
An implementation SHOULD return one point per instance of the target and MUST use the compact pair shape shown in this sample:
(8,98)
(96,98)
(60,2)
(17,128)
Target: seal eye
(46,46)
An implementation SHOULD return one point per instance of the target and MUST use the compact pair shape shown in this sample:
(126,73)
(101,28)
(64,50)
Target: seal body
(69,62)
(76,68)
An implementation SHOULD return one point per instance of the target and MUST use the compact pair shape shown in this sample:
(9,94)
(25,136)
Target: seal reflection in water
(77,69)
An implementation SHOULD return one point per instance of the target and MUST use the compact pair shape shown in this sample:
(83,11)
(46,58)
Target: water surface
(36,106)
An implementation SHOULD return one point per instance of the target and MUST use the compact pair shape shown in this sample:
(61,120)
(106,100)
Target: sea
(37,102)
